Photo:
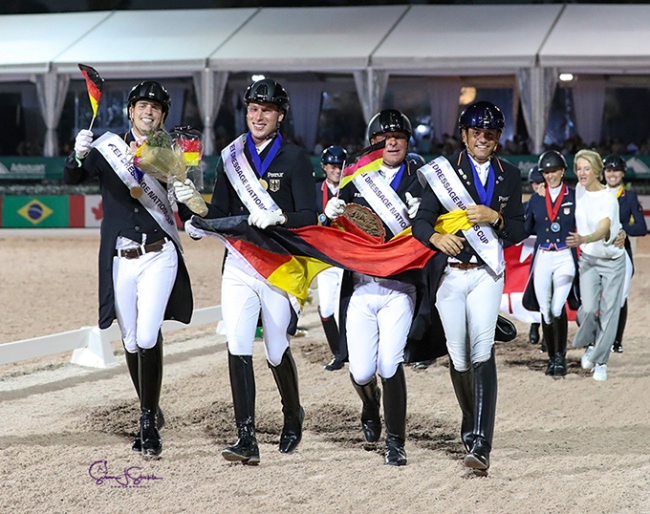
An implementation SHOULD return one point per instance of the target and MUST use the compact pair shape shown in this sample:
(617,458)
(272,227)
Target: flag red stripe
(365,160)
(262,260)
(93,91)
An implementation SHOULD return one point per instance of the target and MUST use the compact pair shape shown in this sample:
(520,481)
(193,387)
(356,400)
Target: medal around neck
(135,192)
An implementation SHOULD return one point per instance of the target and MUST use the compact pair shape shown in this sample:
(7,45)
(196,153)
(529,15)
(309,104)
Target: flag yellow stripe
(295,276)
(452,222)
(371,166)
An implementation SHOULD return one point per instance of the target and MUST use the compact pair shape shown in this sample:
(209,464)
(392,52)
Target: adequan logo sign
(35,211)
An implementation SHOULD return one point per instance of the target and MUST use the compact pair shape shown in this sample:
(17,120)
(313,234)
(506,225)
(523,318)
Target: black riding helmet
(551,160)
(388,120)
(334,155)
(482,115)
(534,175)
(150,90)
(615,162)
(268,91)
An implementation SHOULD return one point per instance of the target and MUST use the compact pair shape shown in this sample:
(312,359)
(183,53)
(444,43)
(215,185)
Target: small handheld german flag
(369,159)
(94,83)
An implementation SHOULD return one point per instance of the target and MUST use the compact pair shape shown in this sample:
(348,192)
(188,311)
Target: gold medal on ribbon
(264,183)
(136,192)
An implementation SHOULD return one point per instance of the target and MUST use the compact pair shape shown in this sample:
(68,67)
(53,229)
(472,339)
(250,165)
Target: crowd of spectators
(449,143)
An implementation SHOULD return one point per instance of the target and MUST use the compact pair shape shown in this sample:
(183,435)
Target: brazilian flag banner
(35,212)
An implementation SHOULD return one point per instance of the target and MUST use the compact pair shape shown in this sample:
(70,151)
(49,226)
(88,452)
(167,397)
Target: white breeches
(142,287)
(378,321)
(553,277)
(243,294)
(468,302)
(329,289)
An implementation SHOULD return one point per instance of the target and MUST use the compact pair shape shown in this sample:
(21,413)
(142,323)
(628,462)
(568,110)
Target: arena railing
(90,346)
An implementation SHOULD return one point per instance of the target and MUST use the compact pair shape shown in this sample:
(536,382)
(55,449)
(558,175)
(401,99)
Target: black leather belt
(138,251)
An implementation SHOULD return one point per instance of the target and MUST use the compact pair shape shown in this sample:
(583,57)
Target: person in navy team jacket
(142,275)
(329,281)
(469,293)
(550,218)
(633,223)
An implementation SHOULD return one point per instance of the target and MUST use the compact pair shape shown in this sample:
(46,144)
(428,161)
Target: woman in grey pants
(601,265)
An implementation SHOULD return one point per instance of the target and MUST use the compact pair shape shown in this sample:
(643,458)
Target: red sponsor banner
(76,211)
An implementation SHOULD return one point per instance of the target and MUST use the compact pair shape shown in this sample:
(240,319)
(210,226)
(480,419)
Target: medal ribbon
(326,193)
(394,184)
(619,191)
(261,167)
(552,210)
(484,195)
(138,172)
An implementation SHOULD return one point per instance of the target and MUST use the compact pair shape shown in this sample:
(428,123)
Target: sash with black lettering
(244,179)
(383,200)
(451,193)
(154,197)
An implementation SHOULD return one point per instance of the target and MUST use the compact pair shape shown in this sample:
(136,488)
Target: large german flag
(291,258)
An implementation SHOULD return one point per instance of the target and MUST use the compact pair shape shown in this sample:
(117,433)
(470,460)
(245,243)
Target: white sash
(243,178)
(451,193)
(154,196)
(383,200)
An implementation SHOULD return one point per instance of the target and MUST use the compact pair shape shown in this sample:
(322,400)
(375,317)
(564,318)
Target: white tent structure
(436,48)
(602,44)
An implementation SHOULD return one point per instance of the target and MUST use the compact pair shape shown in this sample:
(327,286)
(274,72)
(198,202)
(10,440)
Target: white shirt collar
(261,147)
(389,173)
(555,191)
(481,169)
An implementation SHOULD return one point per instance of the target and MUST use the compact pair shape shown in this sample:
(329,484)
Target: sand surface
(571,445)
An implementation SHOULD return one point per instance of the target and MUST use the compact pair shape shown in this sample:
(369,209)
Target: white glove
(82,143)
(192,231)
(264,219)
(413,204)
(184,190)
(334,208)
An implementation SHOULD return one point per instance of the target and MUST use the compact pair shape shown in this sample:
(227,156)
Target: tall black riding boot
(462,382)
(242,384)
(622,320)
(485,403)
(286,378)
(560,333)
(132,363)
(549,337)
(533,334)
(395,417)
(370,395)
(332,335)
(150,371)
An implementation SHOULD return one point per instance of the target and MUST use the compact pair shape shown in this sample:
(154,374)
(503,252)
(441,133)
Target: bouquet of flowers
(168,157)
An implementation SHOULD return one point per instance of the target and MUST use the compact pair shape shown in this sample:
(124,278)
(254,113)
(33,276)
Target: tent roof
(600,39)
(466,39)
(310,38)
(171,42)
(486,40)
(30,42)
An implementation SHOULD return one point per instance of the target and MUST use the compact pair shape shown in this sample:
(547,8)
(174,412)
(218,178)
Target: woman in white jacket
(601,265)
